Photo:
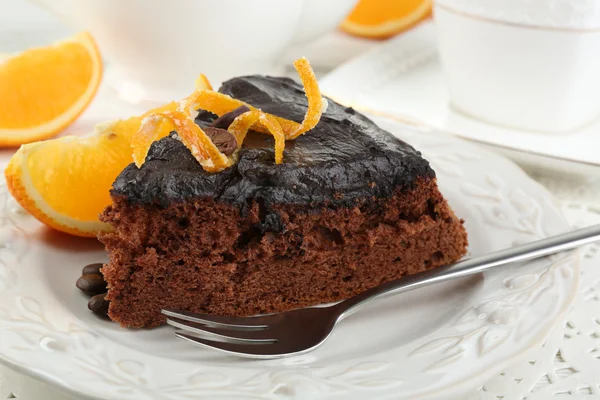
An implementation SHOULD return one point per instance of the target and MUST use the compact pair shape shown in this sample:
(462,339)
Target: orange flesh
(379,19)
(377,12)
(29,86)
(83,186)
(65,182)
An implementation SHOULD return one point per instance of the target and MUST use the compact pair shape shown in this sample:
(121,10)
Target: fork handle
(472,266)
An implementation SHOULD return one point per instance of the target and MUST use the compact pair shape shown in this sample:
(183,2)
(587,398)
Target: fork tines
(214,331)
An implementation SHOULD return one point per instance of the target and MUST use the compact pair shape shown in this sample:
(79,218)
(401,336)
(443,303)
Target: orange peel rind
(198,142)
(204,98)
(317,105)
(271,123)
(219,104)
(242,124)
(209,100)
(147,134)
(146,129)
(191,135)
(202,82)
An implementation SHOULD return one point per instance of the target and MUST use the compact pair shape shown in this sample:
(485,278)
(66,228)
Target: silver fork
(299,331)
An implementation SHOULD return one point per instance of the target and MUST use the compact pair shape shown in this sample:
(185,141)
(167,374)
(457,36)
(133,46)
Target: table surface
(567,366)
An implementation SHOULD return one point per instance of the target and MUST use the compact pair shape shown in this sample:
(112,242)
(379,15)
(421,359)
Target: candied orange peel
(204,98)
(202,83)
(271,123)
(219,104)
(190,134)
(317,105)
(242,124)
(147,133)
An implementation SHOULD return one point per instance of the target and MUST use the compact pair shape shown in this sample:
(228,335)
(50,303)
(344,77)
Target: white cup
(157,48)
(515,63)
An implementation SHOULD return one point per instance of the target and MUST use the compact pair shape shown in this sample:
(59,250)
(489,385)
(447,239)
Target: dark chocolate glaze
(346,158)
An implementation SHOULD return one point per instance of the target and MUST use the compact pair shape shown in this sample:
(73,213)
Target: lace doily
(569,362)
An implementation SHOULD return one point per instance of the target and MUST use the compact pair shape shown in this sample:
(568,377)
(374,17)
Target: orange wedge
(65,182)
(384,18)
(44,90)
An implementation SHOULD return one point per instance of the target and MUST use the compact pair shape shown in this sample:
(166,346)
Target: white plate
(403,77)
(436,342)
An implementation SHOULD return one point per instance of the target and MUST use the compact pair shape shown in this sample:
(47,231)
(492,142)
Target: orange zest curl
(316,103)
(271,123)
(202,83)
(242,124)
(191,135)
(149,132)
(196,140)
(215,102)
(219,104)
(204,98)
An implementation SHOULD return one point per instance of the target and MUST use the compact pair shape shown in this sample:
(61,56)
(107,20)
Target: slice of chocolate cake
(350,207)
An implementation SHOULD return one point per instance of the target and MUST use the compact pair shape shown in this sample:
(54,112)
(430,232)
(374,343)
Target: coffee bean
(98,305)
(91,284)
(226,119)
(225,141)
(92,269)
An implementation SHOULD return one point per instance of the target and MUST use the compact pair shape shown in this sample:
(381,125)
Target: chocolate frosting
(346,158)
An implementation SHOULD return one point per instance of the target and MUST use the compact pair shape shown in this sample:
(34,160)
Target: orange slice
(43,90)
(384,18)
(65,182)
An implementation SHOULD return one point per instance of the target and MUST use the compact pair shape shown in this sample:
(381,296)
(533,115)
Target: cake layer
(344,159)
(204,255)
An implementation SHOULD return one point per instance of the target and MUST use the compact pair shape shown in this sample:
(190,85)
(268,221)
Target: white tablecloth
(567,366)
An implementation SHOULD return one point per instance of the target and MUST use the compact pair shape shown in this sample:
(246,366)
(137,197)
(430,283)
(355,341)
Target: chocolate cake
(350,207)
